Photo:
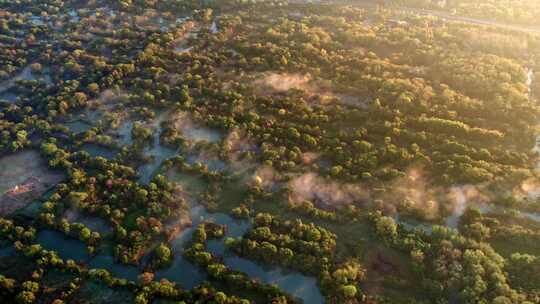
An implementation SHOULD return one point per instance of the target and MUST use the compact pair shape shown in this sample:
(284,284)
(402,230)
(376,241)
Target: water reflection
(213,164)
(186,274)
(107,262)
(195,133)
(77,126)
(66,248)
(99,151)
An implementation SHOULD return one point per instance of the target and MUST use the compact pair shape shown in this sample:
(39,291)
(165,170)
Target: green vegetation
(380,155)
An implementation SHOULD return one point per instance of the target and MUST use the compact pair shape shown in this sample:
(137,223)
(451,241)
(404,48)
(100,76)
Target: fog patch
(266,178)
(309,158)
(109,98)
(461,197)
(529,189)
(285,82)
(324,193)
(94,223)
(208,158)
(194,132)
(415,195)
(317,91)
(155,21)
(238,148)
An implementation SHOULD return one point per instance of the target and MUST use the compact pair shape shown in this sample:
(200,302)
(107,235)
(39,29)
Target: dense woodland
(389,156)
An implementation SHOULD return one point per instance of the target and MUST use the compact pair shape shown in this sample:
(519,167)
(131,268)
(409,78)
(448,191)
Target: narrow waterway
(182,271)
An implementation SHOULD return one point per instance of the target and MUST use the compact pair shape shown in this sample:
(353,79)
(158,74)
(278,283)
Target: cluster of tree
(221,273)
(76,230)
(346,214)
(390,133)
(24,293)
(115,196)
(144,291)
(522,270)
(291,243)
(14,135)
(502,229)
(304,247)
(241,212)
(451,265)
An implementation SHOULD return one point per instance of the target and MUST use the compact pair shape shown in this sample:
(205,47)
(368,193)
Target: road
(448,16)
(451,17)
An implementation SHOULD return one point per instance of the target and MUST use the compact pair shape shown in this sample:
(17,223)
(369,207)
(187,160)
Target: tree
(77,198)
(220,297)
(313,234)
(84,234)
(163,253)
(386,228)
(349,291)
(146,278)
(25,297)
(7,284)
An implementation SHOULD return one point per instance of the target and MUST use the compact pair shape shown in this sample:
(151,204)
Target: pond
(99,293)
(213,164)
(8,251)
(28,75)
(36,20)
(411,224)
(123,133)
(158,154)
(78,126)
(182,49)
(154,151)
(182,272)
(67,248)
(8,97)
(97,150)
(195,133)
(31,210)
(294,283)
(122,271)
(213,28)
(94,223)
